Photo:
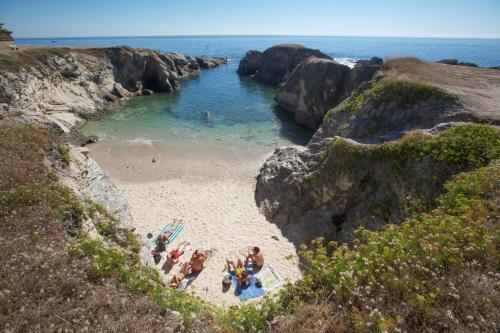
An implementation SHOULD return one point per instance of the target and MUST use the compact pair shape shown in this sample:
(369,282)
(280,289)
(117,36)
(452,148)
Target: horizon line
(257,35)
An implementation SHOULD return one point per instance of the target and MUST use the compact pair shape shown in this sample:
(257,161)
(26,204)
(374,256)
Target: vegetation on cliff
(54,276)
(393,93)
(436,271)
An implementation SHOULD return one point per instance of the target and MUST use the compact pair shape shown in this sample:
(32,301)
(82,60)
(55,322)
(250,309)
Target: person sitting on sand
(174,254)
(197,260)
(238,269)
(256,255)
(183,273)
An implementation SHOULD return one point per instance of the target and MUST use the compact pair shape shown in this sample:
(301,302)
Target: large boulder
(314,87)
(278,62)
(250,64)
(318,84)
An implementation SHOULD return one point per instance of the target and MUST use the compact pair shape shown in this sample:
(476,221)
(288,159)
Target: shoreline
(212,191)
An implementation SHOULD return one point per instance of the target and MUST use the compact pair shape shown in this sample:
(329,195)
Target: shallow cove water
(218,108)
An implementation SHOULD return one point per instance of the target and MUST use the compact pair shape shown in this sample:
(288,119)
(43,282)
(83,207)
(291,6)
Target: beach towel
(168,228)
(186,282)
(269,278)
(247,292)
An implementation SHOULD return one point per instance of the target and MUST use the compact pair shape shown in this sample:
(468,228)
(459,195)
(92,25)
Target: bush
(69,73)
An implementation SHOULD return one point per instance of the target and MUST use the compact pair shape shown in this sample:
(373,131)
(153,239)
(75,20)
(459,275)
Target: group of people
(193,266)
(242,269)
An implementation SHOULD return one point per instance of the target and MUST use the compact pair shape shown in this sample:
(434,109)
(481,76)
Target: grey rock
(317,85)
(211,62)
(88,180)
(147,92)
(314,87)
(278,62)
(250,64)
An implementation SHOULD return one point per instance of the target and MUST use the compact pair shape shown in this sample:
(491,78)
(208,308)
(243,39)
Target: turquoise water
(243,111)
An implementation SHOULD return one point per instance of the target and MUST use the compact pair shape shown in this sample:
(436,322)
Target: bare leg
(229,264)
(240,263)
(185,268)
(182,247)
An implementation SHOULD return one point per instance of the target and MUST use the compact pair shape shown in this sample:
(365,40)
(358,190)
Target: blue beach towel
(247,292)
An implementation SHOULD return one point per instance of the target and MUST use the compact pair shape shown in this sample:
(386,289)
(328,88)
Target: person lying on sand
(197,260)
(177,279)
(163,239)
(238,269)
(174,254)
(256,255)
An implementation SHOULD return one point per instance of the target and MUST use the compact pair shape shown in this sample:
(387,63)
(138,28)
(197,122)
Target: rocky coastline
(59,88)
(335,184)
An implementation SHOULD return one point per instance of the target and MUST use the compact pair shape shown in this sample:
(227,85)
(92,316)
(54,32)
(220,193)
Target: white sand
(212,191)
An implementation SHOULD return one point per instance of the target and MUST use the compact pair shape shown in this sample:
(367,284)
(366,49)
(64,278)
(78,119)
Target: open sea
(244,112)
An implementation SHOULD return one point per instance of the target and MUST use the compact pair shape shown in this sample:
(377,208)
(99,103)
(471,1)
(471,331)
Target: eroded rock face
(346,184)
(86,178)
(317,85)
(275,64)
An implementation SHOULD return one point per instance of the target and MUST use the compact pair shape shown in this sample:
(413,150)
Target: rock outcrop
(275,64)
(86,178)
(317,85)
(349,175)
(250,64)
(211,62)
(346,184)
(60,86)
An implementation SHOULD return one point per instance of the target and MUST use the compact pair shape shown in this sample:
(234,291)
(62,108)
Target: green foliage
(464,146)
(495,67)
(64,152)
(393,93)
(114,261)
(69,73)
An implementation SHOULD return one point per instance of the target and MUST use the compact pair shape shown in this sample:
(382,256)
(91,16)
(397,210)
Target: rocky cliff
(59,87)
(319,84)
(276,64)
(347,176)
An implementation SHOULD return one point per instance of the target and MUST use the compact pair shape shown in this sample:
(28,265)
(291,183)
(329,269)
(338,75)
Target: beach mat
(247,292)
(270,278)
(168,227)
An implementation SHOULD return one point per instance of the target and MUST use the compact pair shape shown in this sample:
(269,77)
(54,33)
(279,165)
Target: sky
(398,18)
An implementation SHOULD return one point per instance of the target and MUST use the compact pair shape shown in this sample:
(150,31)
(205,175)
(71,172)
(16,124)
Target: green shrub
(64,152)
(393,93)
(69,73)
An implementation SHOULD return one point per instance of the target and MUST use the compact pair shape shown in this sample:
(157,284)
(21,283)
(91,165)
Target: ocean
(243,111)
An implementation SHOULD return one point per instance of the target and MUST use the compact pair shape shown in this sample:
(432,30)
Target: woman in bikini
(174,254)
(238,269)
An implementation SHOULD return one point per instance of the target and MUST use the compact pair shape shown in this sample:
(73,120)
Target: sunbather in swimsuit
(174,254)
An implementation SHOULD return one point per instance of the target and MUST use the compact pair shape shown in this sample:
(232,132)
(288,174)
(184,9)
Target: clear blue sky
(425,18)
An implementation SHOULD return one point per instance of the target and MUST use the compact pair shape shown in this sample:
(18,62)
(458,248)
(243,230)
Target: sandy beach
(211,188)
